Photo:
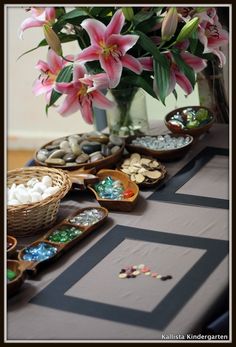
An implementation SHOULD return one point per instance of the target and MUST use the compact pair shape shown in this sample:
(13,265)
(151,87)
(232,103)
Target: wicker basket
(28,219)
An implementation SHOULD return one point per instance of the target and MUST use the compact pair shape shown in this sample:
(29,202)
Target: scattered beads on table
(132,271)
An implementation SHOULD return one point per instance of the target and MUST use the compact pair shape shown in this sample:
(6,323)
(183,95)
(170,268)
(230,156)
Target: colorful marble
(64,234)
(39,252)
(87,217)
(11,275)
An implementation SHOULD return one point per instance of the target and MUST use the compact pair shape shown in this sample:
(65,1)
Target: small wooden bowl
(14,285)
(106,162)
(162,155)
(146,184)
(117,205)
(13,241)
(195,132)
(34,266)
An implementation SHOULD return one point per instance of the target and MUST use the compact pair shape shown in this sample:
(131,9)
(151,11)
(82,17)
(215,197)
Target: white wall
(27,124)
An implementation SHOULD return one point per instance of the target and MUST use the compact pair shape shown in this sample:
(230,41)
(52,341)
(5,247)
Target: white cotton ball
(51,190)
(22,196)
(39,187)
(32,182)
(35,196)
(13,202)
(13,186)
(11,193)
(45,195)
(47,181)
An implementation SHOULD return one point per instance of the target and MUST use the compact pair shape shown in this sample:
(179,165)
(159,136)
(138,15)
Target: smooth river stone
(52,147)
(115,149)
(42,155)
(55,161)
(116,140)
(65,146)
(74,139)
(59,153)
(110,145)
(95,156)
(75,149)
(82,158)
(69,157)
(99,138)
(57,142)
(84,142)
(105,151)
(91,147)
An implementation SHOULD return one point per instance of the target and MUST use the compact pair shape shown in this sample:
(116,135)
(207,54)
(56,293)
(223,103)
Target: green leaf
(41,44)
(140,82)
(175,94)
(128,13)
(146,25)
(142,16)
(193,42)
(185,68)
(95,11)
(188,29)
(162,78)
(65,75)
(148,45)
(77,12)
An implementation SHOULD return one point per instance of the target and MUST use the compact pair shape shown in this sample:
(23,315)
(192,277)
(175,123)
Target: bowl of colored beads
(192,120)
(115,191)
(15,276)
(11,245)
(144,171)
(38,254)
(163,147)
(81,151)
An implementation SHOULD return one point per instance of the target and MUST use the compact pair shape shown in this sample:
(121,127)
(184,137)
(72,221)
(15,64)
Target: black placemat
(167,192)
(53,295)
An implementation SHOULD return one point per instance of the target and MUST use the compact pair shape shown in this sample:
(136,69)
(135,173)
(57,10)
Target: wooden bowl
(11,250)
(14,285)
(195,132)
(162,155)
(148,183)
(117,205)
(106,162)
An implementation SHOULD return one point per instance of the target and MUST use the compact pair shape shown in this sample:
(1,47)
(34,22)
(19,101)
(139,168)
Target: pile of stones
(79,149)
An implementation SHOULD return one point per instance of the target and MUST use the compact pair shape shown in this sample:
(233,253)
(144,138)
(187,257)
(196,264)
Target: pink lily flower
(49,72)
(39,17)
(212,36)
(81,94)
(109,47)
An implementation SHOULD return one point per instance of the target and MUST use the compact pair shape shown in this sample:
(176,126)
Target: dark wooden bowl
(195,132)
(14,285)
(11,250)
(117,205)
(107,162)
(162,155)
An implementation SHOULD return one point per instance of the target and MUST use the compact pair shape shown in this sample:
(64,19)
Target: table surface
(80,297)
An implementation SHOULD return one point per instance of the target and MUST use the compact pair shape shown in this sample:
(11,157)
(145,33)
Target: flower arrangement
(153,48)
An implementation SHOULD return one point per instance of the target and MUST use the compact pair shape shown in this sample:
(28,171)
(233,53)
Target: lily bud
(169,24)
(188,29)
(52,39)
(128,13)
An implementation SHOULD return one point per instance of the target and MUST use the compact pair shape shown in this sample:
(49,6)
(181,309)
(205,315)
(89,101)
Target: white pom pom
(35,197)
(52,190)
(22,196)
(32,182)
(47,181)
(13,202)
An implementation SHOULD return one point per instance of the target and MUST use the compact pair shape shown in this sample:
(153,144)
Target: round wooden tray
(106,162)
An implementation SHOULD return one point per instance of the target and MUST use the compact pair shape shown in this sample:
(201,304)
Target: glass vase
(129,115)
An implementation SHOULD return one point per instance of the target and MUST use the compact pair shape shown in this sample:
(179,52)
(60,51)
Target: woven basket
(28,219)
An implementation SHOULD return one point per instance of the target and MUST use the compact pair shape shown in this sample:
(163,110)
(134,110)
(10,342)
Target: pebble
(76,149)
(91,147)
(116,140)
(105,151)
(95,156)
(42,155)
(65,145)
(52,147)
(82,158)
(55,161)
(59,153)
(69,157)
(115,149)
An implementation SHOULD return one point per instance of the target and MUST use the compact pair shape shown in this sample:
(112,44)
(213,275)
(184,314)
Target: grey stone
(58,153)
(116,140)
(52,147)
(65,145)
(115,149)
(95,156)
(42,155)
(105,151)
(84,142)
(76,149)
(82,158)
(69,157)
(55,161)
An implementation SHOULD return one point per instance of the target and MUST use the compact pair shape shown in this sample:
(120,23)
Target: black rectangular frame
(53,295)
